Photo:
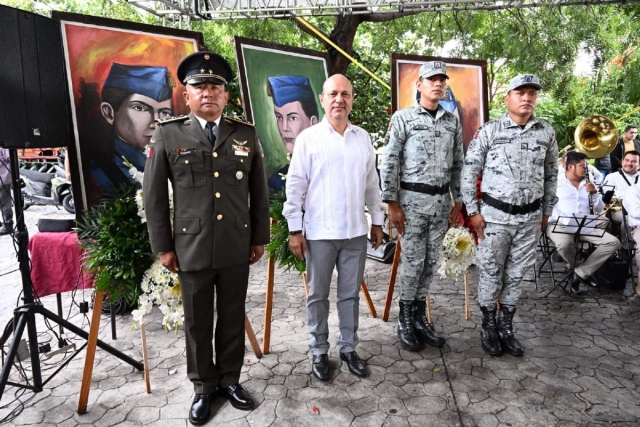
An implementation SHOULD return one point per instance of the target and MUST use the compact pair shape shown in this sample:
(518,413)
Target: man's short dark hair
(115,96)
(575,157)
(633,152)
(310,108)
(629,127)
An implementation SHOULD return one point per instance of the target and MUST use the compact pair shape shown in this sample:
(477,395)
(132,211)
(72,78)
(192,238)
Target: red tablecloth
(55,263)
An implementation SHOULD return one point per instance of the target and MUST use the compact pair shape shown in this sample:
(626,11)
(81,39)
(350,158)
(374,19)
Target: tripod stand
(24,316)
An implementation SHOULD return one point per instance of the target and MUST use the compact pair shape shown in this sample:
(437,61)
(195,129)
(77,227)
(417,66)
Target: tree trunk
(343,35)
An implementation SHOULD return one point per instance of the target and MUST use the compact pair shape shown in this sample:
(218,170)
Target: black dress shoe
(356,366)
(591,281)
(575,285)
(238,397)
(200,411)
(320,366)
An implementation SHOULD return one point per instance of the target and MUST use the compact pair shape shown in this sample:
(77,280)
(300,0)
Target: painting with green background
(260,63)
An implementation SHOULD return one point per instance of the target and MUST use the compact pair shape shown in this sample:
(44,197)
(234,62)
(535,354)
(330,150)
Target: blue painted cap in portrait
(286,89)
(154,82)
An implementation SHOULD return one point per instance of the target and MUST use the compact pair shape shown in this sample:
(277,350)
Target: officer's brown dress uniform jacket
(221,208)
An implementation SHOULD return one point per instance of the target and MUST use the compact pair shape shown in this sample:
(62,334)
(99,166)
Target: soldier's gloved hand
(396,216)
(455,211)
(255,253)
(298,245)
(170,261)
(478,224)
(376,236)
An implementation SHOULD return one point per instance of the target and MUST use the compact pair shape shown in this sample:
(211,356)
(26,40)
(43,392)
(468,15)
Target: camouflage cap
(433,68)
(525,80)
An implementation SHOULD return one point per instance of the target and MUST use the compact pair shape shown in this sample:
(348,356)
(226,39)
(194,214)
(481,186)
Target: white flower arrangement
(457,254)
(159,285)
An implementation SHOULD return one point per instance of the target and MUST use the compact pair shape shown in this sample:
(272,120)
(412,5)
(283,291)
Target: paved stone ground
(581,366)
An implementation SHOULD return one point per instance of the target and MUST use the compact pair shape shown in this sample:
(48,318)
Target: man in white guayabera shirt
(332,176)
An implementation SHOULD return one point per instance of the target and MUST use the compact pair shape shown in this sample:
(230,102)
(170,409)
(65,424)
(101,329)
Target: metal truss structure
(181,12)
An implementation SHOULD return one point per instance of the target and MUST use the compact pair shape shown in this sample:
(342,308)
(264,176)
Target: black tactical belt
(511,209)
(431,190)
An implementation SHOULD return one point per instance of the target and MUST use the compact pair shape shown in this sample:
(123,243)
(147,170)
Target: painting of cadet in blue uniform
(133,98)
(295,109)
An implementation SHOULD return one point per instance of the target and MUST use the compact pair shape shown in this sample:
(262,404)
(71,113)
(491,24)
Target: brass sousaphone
(597,136)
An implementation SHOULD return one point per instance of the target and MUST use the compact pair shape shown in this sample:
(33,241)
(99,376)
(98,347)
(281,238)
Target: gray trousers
(606,246)
(504,257)
(348,256)
(5,203)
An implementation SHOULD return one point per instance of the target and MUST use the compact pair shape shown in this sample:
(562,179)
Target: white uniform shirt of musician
(631,203)
(573,199)
(620,182)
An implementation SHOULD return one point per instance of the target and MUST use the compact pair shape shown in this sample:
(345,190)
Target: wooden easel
(268,310)
(92,342)
(392,284)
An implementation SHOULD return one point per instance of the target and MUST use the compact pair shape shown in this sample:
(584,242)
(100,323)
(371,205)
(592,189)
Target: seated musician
(573,199)
(596,175)
(631,203)
(620,182)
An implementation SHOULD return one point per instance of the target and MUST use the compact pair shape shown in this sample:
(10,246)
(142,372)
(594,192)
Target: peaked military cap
(286,89)
(202,67)
(154,82)
(433,68)
(525,80)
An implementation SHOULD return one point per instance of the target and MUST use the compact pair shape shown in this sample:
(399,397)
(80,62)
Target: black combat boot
(406,331)
(424,331)
(489,334)
(508,340)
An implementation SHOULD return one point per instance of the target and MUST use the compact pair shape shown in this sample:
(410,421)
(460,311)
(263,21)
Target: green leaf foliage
(278,247)
(117,245)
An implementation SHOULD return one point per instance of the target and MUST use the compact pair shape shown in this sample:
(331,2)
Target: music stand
(24,316)
(577,226)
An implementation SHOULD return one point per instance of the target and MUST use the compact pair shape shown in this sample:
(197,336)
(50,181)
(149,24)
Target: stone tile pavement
(581,366)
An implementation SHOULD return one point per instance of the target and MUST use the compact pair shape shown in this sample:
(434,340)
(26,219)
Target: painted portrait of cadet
(295,109)
(133,98)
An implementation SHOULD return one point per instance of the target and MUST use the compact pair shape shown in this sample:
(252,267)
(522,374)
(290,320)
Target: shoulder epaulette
(238,121)
(172,119)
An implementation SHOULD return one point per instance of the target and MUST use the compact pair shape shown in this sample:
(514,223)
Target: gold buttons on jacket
(216,174)
(186,162)
(245,226)
(184,229)
(219,217)
(239,175)
(215,154)
(217,195)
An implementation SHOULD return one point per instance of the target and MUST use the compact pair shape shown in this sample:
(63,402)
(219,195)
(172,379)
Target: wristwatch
(293,233)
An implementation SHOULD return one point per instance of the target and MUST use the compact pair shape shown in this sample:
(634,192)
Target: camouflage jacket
(421,149)
(518,166)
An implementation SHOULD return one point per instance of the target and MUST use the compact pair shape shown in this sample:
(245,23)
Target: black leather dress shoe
(356,366)
(575,285)
(200,411)
(238,397)
(591,281)
(320,366)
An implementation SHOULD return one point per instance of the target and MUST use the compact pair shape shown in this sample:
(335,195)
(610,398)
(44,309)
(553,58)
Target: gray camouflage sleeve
(391,162)
(458,161)
(549,199)
(473,166)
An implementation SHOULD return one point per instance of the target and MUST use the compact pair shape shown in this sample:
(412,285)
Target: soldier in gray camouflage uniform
(421,167)
(517,156)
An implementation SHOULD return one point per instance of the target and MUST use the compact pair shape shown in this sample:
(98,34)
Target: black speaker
(34,106)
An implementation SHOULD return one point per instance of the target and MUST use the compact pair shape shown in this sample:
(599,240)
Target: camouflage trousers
(504,257)
(420,246)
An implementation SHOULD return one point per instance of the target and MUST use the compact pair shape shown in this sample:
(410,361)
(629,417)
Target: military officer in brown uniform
(220,224)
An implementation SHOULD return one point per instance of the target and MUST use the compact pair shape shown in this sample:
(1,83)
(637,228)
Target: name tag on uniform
(240,150)
(241,153)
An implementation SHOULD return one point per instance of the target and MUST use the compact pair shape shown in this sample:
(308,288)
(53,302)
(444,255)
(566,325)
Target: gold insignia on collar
(239,142)
(202,70)
(188,122)
(152,141)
